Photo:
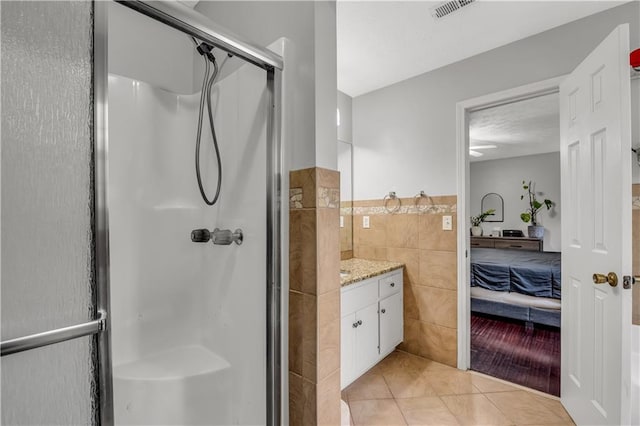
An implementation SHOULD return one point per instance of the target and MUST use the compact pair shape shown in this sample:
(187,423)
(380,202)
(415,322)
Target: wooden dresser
(517,243)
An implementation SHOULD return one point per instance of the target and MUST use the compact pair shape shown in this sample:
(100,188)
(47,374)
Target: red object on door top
(634,59)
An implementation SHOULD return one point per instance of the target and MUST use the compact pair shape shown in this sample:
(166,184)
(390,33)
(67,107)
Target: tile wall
(413,235)
(314,297)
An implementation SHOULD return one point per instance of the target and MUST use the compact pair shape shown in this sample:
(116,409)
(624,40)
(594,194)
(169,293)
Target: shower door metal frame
(194,24)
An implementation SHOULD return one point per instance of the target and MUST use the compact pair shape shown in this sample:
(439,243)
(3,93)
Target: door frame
(463,108)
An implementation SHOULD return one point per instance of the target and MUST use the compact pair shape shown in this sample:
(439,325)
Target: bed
(518,284)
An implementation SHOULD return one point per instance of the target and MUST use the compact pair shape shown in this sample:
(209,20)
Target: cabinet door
(367,337)
(391,322)
(347,350)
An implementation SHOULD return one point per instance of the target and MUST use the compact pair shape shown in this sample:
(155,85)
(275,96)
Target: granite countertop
(361,269)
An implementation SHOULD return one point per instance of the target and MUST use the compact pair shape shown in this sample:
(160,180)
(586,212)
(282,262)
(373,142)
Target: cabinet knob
(359,322)
(392,284)
(383,311)
(355,324)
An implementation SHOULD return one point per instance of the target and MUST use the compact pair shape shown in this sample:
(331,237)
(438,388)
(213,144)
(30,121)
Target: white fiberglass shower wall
(188,319)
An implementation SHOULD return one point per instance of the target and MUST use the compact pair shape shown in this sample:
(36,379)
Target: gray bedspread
(528,272)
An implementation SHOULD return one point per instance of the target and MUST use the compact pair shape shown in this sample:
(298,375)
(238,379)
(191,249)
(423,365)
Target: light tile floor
(405,389)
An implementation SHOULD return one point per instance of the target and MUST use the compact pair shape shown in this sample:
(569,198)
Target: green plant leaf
(536,204)
(526,217)
(548,203)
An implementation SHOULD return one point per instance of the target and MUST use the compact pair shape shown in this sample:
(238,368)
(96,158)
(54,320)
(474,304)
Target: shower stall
(193,244)
(171,309)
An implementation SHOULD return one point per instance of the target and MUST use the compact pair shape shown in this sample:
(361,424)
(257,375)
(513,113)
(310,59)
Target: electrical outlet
(447,223)
(365,222)
(341,221)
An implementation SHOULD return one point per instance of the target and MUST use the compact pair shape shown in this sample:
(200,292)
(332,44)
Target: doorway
(514,169)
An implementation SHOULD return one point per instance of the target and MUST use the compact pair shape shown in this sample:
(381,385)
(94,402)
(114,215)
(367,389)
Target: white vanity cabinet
(372,323)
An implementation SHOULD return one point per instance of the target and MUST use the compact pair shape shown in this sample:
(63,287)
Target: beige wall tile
(346,234)
(328,348)
(412,336)
(368,203)
(411,260)
(438,343)
(309,337)
(306,180)
(346,255)
(432,237)
(328,400)
(296,321)
(402,231)
(308,252)
(373,253)
(328,254)
(436,306)
(314,321)
(295,250)
(329,306)
(375,235)
(302,401)
(327,178)
(410,301)
(438,269)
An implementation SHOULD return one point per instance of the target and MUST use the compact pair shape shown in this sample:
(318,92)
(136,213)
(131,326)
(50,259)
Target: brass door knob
(610,278)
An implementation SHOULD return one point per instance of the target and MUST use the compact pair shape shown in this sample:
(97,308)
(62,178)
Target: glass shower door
(48,278)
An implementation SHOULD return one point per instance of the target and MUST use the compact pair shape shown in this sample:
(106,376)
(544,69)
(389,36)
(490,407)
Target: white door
(596,234)
(347,349)
(391,323)
(367,338)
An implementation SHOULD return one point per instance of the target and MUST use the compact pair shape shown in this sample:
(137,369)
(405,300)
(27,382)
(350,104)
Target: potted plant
(530,215)
(476,222)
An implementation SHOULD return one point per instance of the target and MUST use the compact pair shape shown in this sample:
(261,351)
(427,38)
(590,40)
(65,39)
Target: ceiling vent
(449,7)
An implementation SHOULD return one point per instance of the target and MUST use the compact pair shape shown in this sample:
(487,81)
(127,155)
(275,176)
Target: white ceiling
(521,128)
(382,42)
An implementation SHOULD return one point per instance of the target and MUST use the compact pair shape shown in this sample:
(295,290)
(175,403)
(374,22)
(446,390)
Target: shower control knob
(200,235)
(224,237)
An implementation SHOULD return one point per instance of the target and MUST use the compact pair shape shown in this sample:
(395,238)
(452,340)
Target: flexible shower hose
(207,84)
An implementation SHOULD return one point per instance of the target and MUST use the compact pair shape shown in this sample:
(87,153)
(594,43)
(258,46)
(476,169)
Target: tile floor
(405,389)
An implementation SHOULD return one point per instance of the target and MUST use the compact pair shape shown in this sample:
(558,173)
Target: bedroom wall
(505,177)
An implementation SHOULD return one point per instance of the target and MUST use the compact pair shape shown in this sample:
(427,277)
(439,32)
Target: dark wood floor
(507,350)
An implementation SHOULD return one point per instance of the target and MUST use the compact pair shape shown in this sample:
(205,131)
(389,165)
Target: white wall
(405,134)
(345,132)
(326,81)
(144,49)
(310,30)
(344,167)
(505,177)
